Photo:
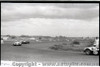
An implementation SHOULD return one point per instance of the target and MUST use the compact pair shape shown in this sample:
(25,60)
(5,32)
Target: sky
(50,19)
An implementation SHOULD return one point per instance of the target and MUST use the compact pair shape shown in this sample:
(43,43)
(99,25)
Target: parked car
(25,42)
(17,43)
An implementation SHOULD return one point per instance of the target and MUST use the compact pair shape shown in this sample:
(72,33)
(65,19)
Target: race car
(25,42)
(91,50)
(17,43)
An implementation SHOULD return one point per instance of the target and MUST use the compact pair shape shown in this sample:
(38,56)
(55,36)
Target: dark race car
(25,42)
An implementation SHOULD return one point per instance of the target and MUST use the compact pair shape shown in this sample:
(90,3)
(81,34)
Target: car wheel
(95,52)
(88,52)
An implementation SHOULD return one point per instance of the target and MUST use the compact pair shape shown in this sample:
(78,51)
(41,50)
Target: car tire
(88,52)
(95,53)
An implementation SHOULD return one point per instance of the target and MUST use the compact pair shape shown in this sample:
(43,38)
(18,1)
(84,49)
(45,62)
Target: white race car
(91,50)
(17,43)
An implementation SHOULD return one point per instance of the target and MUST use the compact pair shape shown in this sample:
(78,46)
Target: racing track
(39,52)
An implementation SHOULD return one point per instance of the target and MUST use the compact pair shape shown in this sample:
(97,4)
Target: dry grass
(76,45)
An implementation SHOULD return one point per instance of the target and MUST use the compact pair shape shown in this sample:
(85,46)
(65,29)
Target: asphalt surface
(40,52)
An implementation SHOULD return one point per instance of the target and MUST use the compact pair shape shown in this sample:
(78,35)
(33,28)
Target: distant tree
(8,35)
(40,38)
(13,37)
(76,42)
(23,36)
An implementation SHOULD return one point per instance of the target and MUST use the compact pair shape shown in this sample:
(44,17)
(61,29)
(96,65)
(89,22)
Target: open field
(40,52)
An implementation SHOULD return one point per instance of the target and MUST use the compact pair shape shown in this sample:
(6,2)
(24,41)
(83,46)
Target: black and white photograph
(49,34)
(50,0)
